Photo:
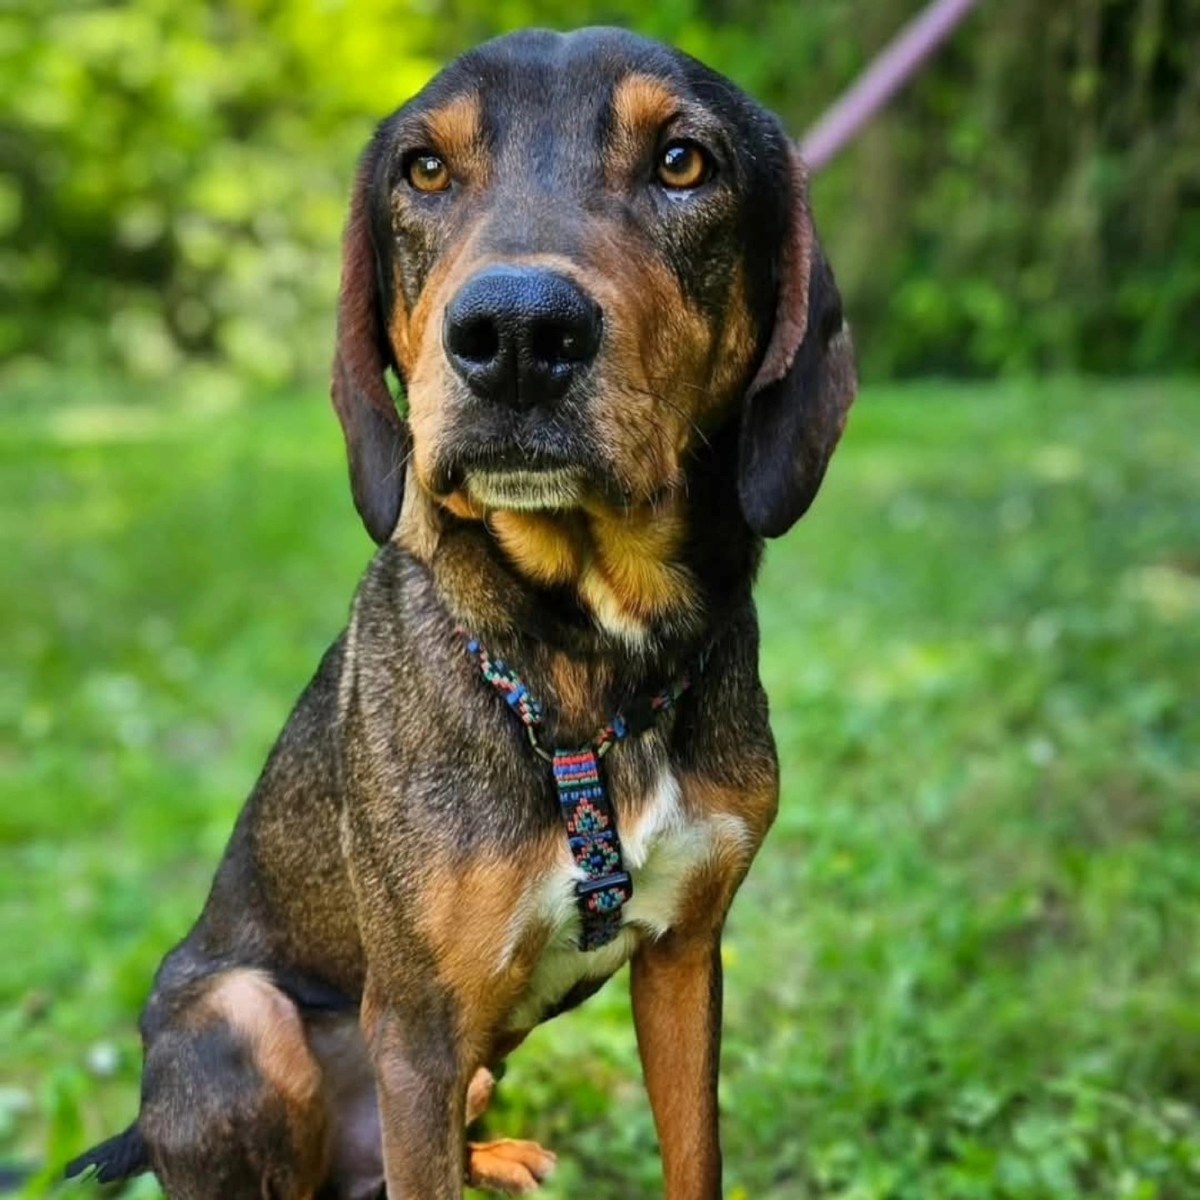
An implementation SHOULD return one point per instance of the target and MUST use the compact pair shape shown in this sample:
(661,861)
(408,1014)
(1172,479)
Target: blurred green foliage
(964,966)
(174,174)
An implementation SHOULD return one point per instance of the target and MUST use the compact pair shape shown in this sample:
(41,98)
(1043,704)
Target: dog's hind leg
(232,1103)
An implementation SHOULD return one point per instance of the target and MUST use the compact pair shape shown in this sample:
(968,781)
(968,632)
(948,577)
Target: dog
(540,750)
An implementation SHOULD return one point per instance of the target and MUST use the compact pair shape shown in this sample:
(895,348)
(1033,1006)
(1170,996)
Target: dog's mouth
(528,490)
(530,463)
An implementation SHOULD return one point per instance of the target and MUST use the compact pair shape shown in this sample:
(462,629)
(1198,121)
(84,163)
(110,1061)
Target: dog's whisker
(683,383)
(675,408)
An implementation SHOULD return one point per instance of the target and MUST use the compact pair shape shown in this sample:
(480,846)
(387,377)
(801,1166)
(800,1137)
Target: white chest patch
(661,850)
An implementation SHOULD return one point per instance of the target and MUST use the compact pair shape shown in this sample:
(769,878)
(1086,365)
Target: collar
(604,887)
(631,720)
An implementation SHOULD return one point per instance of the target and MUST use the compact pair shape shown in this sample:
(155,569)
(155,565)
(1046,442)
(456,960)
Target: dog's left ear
(377,439)
(796,406)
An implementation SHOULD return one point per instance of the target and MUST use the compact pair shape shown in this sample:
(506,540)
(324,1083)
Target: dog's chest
(663,848)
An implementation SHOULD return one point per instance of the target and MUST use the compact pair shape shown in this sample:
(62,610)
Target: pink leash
(892,68)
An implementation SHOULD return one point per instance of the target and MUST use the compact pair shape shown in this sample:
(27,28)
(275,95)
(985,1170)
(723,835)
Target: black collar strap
(587,811)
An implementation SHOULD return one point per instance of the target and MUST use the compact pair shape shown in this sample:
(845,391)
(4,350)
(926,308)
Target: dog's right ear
(796,406)
(377,439)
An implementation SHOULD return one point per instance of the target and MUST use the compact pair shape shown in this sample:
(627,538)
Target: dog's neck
(636,593)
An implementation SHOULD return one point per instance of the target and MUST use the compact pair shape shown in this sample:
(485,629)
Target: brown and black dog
(591,264)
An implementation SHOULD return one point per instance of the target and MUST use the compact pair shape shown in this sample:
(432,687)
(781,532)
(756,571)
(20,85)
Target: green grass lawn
(967,963)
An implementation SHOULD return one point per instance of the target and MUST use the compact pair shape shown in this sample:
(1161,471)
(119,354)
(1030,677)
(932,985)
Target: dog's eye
(427,172)
(684,165)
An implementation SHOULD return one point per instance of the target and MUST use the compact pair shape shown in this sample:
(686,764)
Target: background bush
(175,174)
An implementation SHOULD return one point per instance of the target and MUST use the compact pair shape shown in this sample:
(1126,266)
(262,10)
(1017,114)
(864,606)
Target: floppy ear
(796,405)
(377,440)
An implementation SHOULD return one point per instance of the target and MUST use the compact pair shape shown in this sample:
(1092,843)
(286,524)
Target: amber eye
(428,172)
(684,165)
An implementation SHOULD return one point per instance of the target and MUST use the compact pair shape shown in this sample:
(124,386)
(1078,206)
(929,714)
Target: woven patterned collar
(585,806)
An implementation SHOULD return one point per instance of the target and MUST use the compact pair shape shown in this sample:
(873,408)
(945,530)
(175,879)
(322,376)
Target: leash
(587,811)
(888,72)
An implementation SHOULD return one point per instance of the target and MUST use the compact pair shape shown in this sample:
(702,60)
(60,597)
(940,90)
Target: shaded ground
(966,965)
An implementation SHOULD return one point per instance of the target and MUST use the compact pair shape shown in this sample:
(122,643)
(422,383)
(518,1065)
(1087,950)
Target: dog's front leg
(421,1079)
(677,1012)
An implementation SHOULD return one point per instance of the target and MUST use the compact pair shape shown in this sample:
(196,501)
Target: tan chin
(526,491)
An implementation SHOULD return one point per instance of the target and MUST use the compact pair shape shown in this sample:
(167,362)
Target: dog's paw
(514,1168)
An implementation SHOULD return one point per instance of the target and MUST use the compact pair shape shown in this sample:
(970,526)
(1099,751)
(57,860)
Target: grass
(967,963)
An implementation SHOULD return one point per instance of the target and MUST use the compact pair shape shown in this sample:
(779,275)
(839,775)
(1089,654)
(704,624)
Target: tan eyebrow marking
(456,130)
(641,105)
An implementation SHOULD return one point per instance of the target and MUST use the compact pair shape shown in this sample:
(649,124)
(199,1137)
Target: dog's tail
(118,1158)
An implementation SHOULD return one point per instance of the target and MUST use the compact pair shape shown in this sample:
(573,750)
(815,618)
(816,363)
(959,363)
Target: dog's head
(581,254)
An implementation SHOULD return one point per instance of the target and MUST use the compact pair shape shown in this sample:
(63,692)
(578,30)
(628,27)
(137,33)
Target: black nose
(519,335)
